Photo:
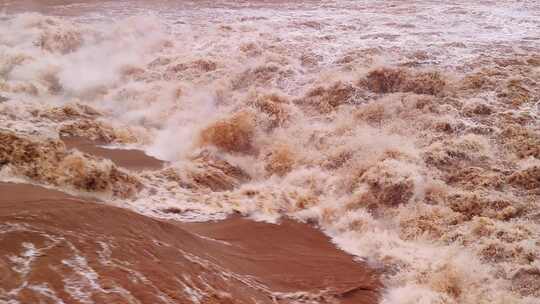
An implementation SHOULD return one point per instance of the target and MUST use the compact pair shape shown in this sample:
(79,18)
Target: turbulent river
(407,131)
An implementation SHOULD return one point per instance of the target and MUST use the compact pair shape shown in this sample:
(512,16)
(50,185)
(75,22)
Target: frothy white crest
(417,184)
(177,136)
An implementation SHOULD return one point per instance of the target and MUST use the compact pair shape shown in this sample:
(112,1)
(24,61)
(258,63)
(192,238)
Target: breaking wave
(422,158)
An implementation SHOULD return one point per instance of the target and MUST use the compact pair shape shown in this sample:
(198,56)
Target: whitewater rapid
(407,131)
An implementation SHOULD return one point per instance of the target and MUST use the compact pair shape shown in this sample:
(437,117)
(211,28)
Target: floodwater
(408,132)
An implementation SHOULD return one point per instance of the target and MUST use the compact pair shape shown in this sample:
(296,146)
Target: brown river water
(224,151)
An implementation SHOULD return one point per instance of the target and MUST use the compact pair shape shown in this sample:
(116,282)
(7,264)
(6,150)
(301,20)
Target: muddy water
(408,132)
(130,159)
(58,248)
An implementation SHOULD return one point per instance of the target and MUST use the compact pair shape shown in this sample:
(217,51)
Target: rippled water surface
(408,131)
